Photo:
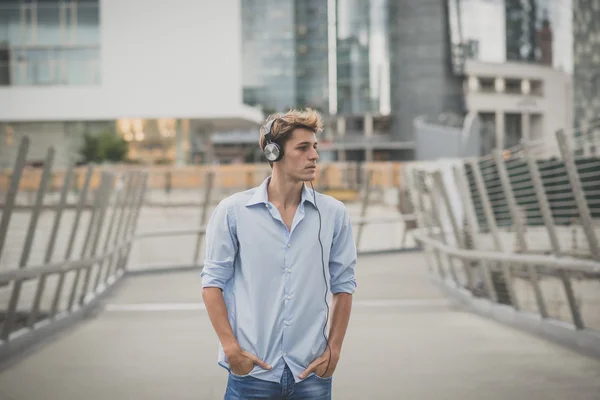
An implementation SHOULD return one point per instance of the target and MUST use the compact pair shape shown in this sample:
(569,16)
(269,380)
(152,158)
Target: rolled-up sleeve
(342,259)
(221,247)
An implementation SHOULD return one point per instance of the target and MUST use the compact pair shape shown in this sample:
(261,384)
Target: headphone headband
(268,128)
(273,152)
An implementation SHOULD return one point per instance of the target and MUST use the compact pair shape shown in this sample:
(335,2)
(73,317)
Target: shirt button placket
(287,296)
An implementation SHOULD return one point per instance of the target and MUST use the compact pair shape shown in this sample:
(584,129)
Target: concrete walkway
(152,339)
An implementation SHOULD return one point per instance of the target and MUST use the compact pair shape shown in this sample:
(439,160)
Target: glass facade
(286,55)
(362,56)
(311,54)
(269,57)
(49,42)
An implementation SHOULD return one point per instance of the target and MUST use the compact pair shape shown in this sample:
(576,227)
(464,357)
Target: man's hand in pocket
(242,362)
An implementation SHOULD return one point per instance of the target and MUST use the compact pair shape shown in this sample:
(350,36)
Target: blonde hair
(286,123)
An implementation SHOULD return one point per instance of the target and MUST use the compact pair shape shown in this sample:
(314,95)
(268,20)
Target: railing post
(26,252)
(74,229)
(491,223)
(540,192)
(125,215)
(473,228)
(120,196)
(441,188)
(519,226)
(426,219)
(50,247)
(107,185)
(133,221)
(582,206)
(96,205)
(13,189)
(208,188)
(364,205)
(510,198)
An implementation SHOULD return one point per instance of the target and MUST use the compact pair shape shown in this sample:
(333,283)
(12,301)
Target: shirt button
(284,354)
(289,245)
(289,270)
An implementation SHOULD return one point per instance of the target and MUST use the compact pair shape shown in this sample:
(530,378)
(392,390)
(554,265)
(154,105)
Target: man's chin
(307,176)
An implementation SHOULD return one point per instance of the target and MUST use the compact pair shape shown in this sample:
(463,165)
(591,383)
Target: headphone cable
(324,277)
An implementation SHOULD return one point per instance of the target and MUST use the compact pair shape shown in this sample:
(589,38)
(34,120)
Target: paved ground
(153,340)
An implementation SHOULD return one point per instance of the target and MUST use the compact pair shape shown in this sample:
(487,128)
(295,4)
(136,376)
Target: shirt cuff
(214,277)
(344,287)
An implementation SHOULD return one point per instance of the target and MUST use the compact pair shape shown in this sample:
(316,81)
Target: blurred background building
(372,67)
(150,73)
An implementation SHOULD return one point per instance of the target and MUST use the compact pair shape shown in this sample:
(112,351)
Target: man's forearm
(217,312)
(340,316)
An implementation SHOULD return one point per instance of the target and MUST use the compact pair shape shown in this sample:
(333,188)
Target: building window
(49,42)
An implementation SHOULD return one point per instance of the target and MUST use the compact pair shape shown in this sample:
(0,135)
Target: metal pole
(129,196)
(26,252)
(364,205)
(13,190)
(136,214)
(50,248)
(106,186)
(510,198)
(433,198)
(135,195)
(426,220)
(109,234)
(540,192)
(80,205)
(208,188)
(491,223)
(582,206)
(86,244)
(473,228)
(485,202)
(441,188)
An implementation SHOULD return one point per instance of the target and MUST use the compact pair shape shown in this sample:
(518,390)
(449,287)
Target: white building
(519,101)
(155,71)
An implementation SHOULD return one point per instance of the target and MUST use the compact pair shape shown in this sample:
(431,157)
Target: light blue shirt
(273,280)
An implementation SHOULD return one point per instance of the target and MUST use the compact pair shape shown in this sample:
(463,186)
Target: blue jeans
(249,387)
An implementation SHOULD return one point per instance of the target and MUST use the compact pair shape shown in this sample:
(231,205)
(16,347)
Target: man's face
(299,162)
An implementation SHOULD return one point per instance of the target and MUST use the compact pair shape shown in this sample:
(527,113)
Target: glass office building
(290,46)
(284,46)
(362,52)
(49,42)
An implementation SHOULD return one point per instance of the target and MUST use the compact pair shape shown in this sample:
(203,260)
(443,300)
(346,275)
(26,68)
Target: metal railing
(517,231)
(58,258)
(172,225)
(67,236)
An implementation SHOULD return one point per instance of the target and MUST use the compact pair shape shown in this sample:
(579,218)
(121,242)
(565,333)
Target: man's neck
(284,192)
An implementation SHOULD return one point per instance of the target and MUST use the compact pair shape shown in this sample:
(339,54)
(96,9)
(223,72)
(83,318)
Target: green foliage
(104,147)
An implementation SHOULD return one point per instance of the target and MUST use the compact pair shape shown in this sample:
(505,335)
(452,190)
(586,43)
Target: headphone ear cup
(273,152)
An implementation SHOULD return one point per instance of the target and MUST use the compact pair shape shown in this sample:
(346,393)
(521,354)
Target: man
(277,257)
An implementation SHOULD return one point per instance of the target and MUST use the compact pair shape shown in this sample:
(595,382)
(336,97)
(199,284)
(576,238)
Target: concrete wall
(436,141)
(156,61)
(421,78)
(554,103)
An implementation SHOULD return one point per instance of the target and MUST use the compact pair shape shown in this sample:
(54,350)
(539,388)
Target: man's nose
(314,155)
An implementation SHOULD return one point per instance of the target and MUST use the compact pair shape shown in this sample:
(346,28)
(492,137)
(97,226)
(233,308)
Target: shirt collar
(261,196)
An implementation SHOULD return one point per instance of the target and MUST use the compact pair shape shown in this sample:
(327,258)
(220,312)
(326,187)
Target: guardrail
(62,252)
(82,248)
(515,236)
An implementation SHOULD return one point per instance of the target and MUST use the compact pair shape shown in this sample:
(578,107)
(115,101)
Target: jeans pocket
(323,379)
(240,376)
